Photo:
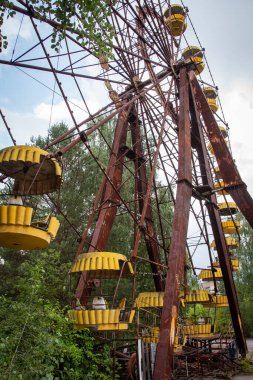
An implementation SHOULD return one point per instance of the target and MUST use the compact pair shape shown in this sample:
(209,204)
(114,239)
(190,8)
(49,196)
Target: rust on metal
(109,201)
(141,189)
(215,220)
(164,355)
(231,177)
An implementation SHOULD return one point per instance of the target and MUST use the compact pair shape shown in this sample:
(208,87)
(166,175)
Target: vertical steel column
(109,201)
(231,177)
(215,220)
(164,355)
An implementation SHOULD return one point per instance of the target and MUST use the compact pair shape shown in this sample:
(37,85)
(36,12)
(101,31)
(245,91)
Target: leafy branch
(87,19)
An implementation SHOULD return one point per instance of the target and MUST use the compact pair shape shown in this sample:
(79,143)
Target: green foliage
(34,285)
(246,365)
(37,340)
(244,277)
(86,19)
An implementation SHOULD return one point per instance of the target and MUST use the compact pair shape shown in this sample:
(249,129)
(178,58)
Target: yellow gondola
(207,274)
(175,19)
(99,315)
(234,262)
(231,226)
(231,243)
(152,335)
(198,296)
(103,265)
(197,330)
(211,95)
(102,320)
(227,208)
(219,186)
(218,301)
(19,232)
(33,170)
(193,54)
(149,299)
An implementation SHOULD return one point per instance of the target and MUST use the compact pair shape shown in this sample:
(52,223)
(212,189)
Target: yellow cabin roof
(102,264)
(227,208)
(33,170)
(231,243)
(149,299)
(231,226)
(235,264)
(198,296)
(192,51)
(207,274)
(194,55)
(176,24)
(220,185)
(210,92)
(19,232)
(218,301)
(174,9)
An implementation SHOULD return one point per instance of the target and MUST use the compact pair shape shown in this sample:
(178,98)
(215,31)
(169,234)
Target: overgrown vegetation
(244,277)
(37,340)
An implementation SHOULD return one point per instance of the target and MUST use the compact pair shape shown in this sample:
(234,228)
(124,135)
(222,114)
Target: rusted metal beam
(141,188)
(231,177)
(215,220)
(164,355)
(50,70)
(109,201)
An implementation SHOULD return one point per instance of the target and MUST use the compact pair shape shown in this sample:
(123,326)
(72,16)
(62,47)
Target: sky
(225,30)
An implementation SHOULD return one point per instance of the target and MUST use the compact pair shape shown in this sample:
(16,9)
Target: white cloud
(23,126)
(60,111)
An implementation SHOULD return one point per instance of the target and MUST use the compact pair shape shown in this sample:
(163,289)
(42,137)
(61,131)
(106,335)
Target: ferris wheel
(170,146)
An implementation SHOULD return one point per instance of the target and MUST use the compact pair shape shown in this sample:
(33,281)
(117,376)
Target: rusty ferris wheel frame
(159,102)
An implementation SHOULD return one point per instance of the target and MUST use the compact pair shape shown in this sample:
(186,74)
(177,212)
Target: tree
(37,341)
(86,19)
(244,277)
(36,338)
